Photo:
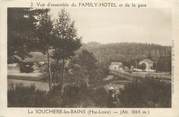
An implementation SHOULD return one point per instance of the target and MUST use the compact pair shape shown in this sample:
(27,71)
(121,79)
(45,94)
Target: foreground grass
(145,93)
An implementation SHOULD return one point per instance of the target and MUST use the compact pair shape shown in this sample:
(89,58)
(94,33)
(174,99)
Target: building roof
(116,63)
(146,61)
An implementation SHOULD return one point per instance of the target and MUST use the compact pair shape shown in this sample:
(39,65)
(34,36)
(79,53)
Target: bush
(26,67)
(100,97)
(21,96)
(146,93)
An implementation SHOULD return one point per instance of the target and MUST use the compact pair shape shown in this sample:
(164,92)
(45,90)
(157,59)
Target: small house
(147,65)
(116,66)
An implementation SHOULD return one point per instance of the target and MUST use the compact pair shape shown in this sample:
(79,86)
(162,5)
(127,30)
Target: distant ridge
(126,51)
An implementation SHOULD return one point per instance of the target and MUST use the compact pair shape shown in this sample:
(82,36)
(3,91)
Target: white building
(148,65)
(116,66)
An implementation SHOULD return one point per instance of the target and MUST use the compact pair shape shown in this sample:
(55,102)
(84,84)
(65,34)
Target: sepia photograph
(89,57)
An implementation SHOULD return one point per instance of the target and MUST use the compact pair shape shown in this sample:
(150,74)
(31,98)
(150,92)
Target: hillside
(127,52)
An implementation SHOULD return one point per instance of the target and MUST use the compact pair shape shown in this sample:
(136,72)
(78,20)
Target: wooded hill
(129,53)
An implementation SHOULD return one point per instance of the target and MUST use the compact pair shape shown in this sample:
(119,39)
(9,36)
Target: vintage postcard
(89,58)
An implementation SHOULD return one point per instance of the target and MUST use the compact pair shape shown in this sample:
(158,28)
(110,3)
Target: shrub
(26,67)
(21,96)
(146,93)
(100,97)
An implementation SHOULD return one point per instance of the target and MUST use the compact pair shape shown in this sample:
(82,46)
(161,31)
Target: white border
(23,112)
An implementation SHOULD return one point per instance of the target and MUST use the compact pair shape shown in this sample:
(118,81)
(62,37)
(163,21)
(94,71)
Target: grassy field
(43,86)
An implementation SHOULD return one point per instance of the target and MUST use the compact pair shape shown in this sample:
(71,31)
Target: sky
(115,25)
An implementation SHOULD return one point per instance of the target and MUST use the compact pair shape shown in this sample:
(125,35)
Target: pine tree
(44,34)
(65,42)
